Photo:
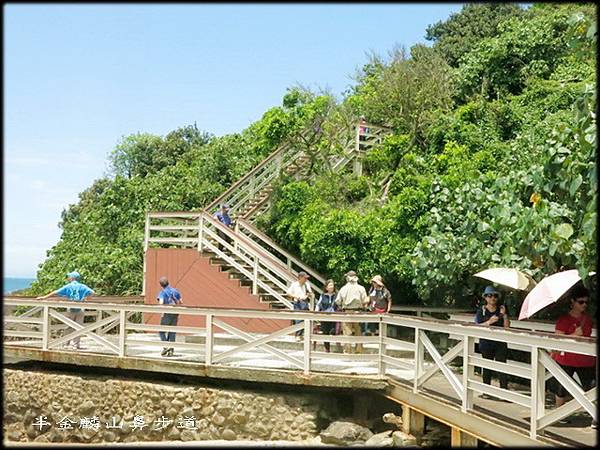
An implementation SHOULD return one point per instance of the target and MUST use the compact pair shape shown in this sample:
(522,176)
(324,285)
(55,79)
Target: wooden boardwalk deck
(256,365)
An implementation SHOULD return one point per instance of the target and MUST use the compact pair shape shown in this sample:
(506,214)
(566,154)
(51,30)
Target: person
(492,315)
(352,297)
(577,323)
(168,296)
(326,303)
(380,301)
(222,215)
(76,292)
(300,292)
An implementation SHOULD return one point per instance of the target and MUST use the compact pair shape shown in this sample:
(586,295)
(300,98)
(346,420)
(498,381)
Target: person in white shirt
(352,297)
(300,293)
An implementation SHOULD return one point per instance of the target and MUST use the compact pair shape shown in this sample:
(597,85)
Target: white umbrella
(512,278)
(548,291)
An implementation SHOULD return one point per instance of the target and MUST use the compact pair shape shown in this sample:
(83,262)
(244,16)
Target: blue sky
(79,77)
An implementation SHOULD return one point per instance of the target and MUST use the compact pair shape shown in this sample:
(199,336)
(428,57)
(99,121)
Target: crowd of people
(352,296)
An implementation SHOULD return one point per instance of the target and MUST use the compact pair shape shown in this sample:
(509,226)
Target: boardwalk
(432,385)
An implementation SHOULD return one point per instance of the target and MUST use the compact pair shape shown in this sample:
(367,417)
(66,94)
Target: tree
(459,34)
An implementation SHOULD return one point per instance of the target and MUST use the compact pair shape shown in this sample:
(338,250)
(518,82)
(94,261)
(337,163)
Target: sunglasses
(582,302)
(491,295)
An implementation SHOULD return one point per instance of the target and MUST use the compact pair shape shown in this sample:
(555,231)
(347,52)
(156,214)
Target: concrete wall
(217,413)
(201,284)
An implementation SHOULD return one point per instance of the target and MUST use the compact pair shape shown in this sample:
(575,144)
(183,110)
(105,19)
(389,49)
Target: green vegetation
(490,163)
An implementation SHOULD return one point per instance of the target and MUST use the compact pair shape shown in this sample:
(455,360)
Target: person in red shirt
(576,323)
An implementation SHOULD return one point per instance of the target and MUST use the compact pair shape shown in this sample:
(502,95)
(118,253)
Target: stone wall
(103,409)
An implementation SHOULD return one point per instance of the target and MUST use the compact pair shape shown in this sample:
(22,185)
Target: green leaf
(575,184)
(564,230)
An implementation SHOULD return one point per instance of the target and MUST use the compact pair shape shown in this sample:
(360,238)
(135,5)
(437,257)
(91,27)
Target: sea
(10,284)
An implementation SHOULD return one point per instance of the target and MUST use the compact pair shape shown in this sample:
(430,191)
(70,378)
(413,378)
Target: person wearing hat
(76,292)
(380,301)
(492,315)
(300,293)
(222,215)
(352,297)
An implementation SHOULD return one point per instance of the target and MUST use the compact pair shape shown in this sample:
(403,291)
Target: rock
(401,439)
(187,435)
(173,434)
(207,411)
(14,435)
(345,433)
(228,435)
(381,440)
(218,419)
(203,436)
(393,419)
(12,397)
(86,407)
(177,404)
(109,436)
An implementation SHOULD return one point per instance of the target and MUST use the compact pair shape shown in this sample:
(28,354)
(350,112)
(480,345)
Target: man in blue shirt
(76,292)
(222,215)
(168,296)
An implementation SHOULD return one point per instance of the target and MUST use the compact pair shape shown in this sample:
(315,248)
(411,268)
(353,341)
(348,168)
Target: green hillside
(491,163)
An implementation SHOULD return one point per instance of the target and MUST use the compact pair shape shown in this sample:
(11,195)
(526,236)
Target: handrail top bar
(447,326)
(274,263)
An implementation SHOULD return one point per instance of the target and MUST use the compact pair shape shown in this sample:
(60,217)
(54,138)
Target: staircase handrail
(266,240)
(275,263)
(280,149)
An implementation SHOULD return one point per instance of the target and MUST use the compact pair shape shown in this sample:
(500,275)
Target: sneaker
(486,397)
(164,352)
(594,425)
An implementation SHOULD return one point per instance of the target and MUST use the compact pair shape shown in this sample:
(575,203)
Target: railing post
(307,349)
(236,229)
(419,357)
(45,328)
(146,240)
(538,391)
(382,335)
(200,232)
(468,373)
(255,276)
(122,332)
(208,343)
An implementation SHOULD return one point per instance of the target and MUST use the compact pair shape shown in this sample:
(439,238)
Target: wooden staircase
(247,254)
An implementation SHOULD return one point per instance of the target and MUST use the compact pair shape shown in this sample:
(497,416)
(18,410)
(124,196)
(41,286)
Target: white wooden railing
(266,243)
(201,231)
(416,369)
